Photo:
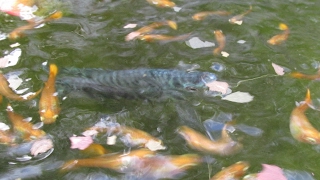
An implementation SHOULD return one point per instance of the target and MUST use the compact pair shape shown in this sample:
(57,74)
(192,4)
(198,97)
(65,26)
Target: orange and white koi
(114,161)
(306,76)
(280,38)
(221,39)
(159,37)
(235,171)
(149,28)
(24,127)
(131,136)
(300,127)
(224,146)
(238,19)
(202,15)
(19,32)
(162,3)
(49,107)
(7,92)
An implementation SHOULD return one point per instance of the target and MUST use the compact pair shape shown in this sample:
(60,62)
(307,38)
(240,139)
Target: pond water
(92,35)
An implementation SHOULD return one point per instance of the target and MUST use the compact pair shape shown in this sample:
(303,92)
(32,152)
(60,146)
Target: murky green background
(92,35)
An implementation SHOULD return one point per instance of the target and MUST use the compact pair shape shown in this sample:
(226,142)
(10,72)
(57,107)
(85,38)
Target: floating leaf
(278,69)
(153,145)
(218,86)
(11,59)
(196,43)
(130,26)
(238,97)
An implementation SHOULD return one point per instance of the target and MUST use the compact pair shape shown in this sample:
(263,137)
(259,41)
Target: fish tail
(172,24)
(53,69)
(283,27)
(308,97)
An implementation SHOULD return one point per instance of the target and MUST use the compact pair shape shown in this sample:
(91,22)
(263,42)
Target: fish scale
(141,83)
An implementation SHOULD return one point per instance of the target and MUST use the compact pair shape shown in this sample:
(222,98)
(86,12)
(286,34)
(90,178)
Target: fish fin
(308,97)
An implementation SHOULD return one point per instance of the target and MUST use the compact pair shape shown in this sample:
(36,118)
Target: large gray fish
(136,83)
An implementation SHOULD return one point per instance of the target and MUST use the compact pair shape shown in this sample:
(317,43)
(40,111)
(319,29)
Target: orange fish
(49,107)
(162,3)
(159,37)
(224,146)
(221,39)
(149,28)
(238,18)
(131,136)
(300,127)
(19,32)
(234,172)
(24,127)
(185,161)
(114,161)
(280,38)
(202,15)
(6,91)
(306,76)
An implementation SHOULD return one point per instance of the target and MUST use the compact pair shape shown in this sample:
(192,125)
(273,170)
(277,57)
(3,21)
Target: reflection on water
(92,35)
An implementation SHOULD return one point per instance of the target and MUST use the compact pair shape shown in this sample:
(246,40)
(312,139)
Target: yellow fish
(49,107)
(162,3)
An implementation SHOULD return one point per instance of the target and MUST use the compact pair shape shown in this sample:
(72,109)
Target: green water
(92,35)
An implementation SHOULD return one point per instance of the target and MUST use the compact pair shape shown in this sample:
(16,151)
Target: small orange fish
(159,37)
(114,161)
(234,172)
(202,15)
(221,39)
(49,107)
(306,76)
(280,38)
(300,127)
(24,127)
(162,3)
(19,32)
(224,146)
(149,28)
(131,136)
(7,92)
(239,18)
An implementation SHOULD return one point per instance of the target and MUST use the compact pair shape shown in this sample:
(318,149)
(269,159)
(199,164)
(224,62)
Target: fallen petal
(80,142)
(238,97)
(278,69)
(218,86)
(271,172)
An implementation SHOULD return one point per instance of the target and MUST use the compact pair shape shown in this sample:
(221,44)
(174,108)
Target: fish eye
(311,140)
